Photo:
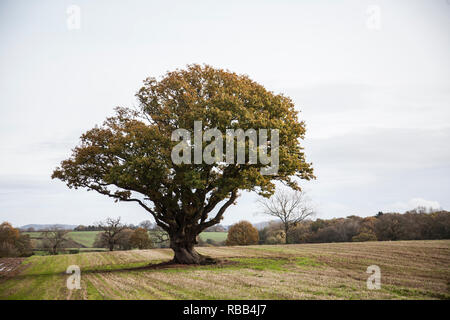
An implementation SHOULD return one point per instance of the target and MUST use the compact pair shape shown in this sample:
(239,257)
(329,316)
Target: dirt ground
(409,270)
(10,267)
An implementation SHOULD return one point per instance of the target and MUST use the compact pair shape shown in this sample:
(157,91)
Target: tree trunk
(183,247)
(286,229)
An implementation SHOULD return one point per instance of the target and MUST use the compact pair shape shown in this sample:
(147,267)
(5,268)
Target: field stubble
(409,270)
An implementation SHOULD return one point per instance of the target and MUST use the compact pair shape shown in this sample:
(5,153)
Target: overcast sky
(371,79)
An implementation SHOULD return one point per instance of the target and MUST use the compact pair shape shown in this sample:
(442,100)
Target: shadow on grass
(164,265)
(256,263)
(130,267)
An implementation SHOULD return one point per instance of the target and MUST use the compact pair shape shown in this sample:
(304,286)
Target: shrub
(241,234)
(140,239)
(124,239)
(13,243)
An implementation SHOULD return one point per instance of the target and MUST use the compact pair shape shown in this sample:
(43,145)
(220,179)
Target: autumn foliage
(140,239)
(12,242)
(241,234)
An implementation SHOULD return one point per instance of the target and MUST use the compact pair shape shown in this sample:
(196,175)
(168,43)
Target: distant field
(216,236)
(83,239)
(87,238)
(409,270)
(35,234)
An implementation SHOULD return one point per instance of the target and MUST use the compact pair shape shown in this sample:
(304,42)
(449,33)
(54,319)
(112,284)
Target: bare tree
(291,207)
(112,233)
(54,239)
(146,224)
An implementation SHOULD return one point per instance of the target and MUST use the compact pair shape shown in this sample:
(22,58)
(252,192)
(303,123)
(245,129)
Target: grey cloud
(383,148)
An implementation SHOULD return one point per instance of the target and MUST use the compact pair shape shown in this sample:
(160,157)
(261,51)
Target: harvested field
(9,267)
(409,270)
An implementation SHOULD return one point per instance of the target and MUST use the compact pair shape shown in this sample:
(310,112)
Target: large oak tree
(128,158)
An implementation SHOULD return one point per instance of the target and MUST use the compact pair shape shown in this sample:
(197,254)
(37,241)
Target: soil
(9,267)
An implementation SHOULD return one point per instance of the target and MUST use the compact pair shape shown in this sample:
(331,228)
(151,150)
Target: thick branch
(220,213)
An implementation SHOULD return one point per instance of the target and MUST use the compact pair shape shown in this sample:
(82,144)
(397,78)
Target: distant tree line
(97,227)
(417,224)
(412,225)
(216,228)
